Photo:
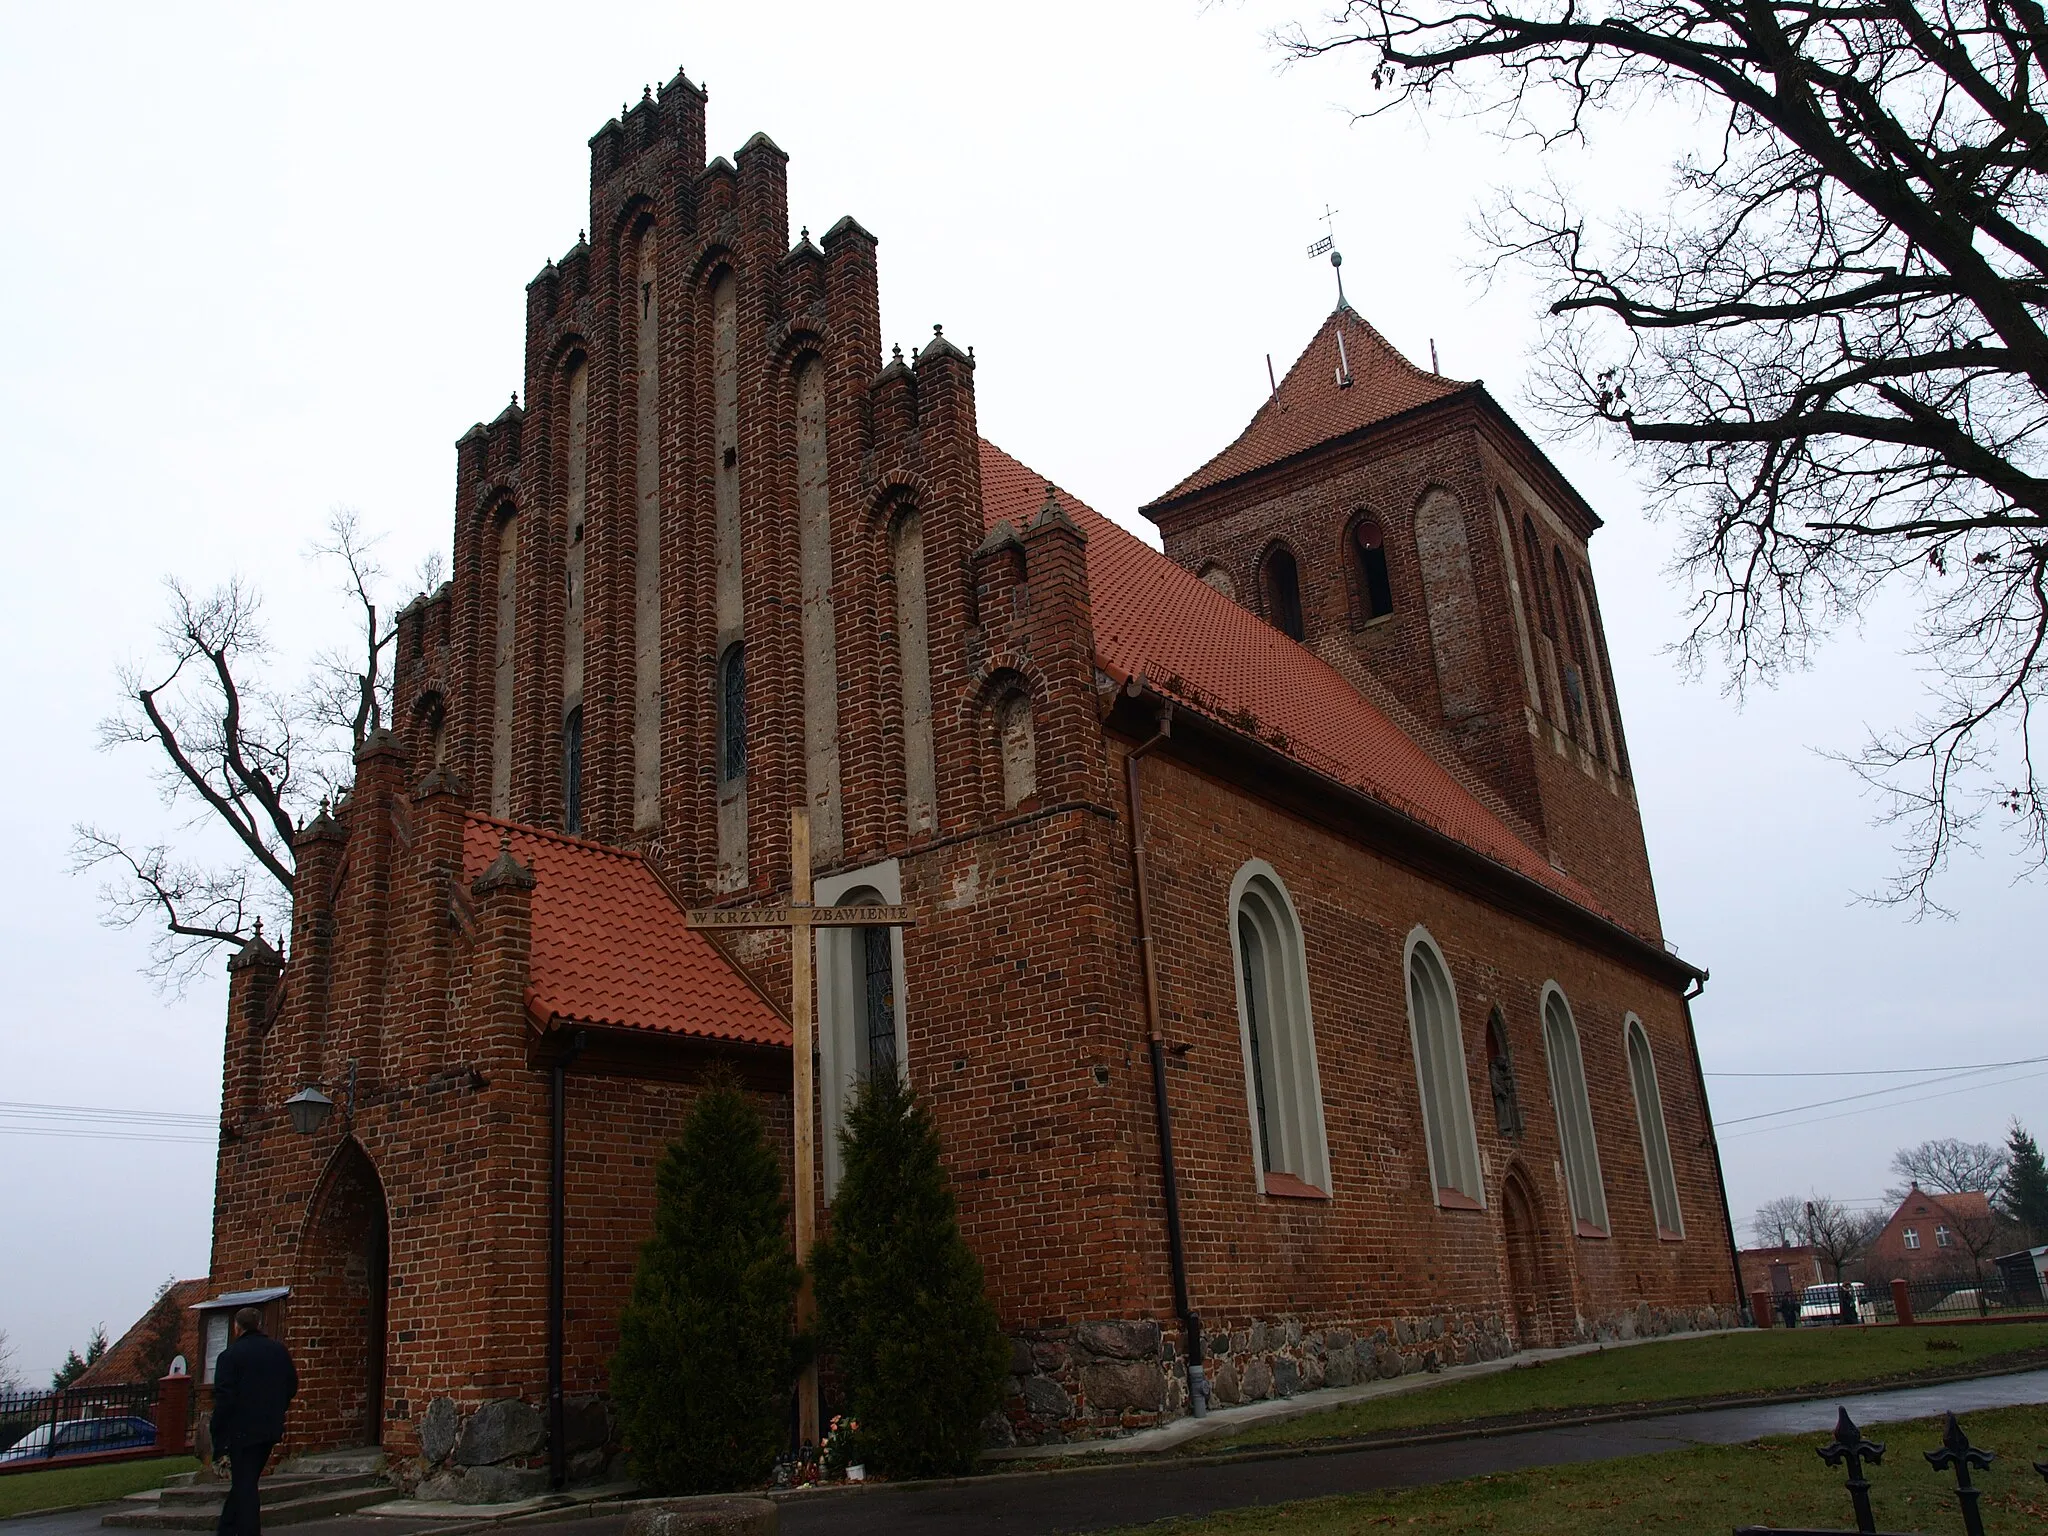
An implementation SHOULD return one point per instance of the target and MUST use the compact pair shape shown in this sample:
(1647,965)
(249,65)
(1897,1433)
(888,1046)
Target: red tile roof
(1311,406)
(611,948)
(1154,619)
(123,1363)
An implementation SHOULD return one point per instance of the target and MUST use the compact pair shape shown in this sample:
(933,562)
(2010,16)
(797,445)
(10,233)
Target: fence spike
(1957,1452)
(1849,1445)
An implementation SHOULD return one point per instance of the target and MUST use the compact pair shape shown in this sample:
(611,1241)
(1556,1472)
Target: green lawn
(1675,1370)
(63,1487)
(1707,1489)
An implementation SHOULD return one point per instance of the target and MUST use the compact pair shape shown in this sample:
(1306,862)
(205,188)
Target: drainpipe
(1155,1044)
(1699,1077)
(558,1450)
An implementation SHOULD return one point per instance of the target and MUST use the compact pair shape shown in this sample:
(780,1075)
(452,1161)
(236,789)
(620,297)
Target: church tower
(1401,526)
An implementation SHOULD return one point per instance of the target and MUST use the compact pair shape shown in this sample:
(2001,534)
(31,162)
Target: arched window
(647,541)
(1369,556)
(1281,578)
(1580,1153)
(1642,1075)
(1575,690)
(1511,569)
(1434,1031)
(1217,577)
(1283,1092)
(732,713)
(433,715)
(1019,746)
(1500,1076)
(861,1015)
(572,771)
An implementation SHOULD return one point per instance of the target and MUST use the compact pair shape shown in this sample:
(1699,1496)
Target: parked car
(82,1437)
(1971,1300)
(1823,1303)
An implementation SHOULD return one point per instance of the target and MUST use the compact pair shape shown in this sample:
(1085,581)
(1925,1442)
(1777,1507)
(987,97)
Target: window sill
(1359,626)
(1666,1235)
(1587,1229)
(1286,1186)
(1456,1200)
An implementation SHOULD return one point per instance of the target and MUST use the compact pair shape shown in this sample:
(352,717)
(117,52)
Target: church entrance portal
(1528,1292)
(338,1307)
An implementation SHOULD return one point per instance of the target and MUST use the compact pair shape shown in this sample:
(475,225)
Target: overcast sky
(265,261)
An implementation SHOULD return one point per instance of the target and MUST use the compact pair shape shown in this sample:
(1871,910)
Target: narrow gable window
(572,771)
(1283,1094)
(1440,1077)
(1642,1076)
(1281,578)
(1369,553)
(1578,1151)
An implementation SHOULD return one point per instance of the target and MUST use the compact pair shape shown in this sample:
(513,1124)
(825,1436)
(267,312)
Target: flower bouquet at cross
(840,1455)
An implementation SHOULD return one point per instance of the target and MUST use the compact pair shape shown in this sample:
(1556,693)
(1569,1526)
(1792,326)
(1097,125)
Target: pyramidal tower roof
(1349,376)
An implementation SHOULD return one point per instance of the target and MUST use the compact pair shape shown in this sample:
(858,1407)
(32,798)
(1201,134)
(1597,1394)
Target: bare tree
(1838,1234)
(1826,341)
(1946,1166)
(10,1378)
(1779,1223)
(237,751)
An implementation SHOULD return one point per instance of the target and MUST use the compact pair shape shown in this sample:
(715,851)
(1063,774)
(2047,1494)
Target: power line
(102,1112)
(43,1130)
(1847,1098)
(1984,1066)
(1871,1108)
(93,1122)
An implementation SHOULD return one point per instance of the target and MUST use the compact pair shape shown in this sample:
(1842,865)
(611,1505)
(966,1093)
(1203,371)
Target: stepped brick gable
(1311,840)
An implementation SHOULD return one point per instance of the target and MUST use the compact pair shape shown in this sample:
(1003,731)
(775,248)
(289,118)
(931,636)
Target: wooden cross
(798,918)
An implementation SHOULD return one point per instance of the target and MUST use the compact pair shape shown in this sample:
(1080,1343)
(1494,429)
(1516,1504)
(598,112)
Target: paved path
(1098,1498)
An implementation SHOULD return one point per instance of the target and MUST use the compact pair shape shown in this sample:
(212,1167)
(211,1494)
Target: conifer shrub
(705,1363)
(900,1301)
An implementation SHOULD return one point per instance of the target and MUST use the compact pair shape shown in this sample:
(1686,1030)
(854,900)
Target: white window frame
(1578,1144)
(1657,1165)
(1294,1091)
(1941,1237)
(1912,1237)
(1441,1080)
(842,1001)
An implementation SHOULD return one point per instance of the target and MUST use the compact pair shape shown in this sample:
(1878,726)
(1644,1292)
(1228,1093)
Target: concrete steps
(288,1499)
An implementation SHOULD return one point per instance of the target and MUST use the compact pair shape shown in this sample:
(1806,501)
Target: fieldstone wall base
(497,1452)
(1109,1378)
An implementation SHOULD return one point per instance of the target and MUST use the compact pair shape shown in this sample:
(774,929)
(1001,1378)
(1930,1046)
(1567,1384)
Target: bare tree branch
(1828,346)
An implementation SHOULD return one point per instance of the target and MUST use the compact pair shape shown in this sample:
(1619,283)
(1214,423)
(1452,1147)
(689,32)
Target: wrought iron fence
(1951,1299)
(1955,1455)
(75,1421)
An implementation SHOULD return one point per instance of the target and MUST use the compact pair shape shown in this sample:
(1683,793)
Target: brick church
(1286,972)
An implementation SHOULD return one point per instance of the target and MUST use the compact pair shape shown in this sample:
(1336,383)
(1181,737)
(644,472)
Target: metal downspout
(1699,1078)
(1155,1045)
(558,1449)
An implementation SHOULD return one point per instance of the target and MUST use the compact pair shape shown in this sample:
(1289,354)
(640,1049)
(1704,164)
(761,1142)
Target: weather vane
(1329,243)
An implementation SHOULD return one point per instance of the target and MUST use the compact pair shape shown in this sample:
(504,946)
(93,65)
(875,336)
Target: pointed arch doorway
(1529,1290)
(339,1305)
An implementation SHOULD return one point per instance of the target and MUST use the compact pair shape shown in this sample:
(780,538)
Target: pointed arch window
(1280,576)
(1578,702)
(1283,1093)
(1642,1076)
(1578,1150)
(732,713)
(1369,559)
(862,1018)
(1440,1079)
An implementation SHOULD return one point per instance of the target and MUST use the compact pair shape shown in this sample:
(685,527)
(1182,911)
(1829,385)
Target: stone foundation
(497,1452)
(1096,1380)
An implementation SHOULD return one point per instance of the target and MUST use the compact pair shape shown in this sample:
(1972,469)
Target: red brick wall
(1025,1018)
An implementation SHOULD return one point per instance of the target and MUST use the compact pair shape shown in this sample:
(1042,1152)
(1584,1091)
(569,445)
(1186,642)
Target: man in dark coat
(253,1382)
